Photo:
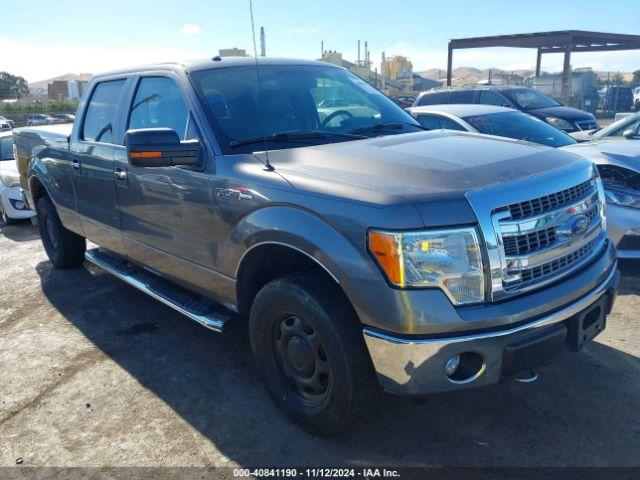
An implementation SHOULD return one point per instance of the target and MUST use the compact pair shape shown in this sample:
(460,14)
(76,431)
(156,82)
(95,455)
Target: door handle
(121,174)
(75,164)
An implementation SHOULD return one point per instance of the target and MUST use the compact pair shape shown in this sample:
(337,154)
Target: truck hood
(432,170)
(416,166)
(621,152)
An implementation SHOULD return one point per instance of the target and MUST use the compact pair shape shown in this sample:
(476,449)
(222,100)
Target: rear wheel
(64,248)
(309,350)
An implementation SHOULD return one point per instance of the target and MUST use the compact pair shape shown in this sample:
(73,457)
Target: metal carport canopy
(565,41)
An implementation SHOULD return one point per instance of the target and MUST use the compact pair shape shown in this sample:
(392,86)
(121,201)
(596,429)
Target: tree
(12,86)
(636,78)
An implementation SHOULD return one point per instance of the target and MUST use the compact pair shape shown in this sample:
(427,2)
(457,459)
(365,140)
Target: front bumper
(416,366)
(623,229)
(11,198)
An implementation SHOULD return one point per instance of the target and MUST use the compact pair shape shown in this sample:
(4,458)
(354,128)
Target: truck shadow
(22,231)
(584,410)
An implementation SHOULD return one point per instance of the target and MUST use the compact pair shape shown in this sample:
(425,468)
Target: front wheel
(64,248)
(310,353)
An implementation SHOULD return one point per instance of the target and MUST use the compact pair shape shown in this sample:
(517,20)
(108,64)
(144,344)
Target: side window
(439,98)
(435,122)
(463,96)
(429,121)
(159,104)
(492,98)
(101,112)
(450,124)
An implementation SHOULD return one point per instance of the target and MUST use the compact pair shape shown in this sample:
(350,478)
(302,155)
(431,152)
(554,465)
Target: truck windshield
(291,100)
(520,126)
(529,99)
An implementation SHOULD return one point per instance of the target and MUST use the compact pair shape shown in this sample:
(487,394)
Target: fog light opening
(464,367)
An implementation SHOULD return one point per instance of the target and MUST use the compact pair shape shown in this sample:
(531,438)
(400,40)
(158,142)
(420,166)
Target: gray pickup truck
(359,250)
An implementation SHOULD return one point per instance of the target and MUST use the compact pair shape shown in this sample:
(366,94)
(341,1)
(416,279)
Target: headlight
(447,259)
(559,123)
(623,197)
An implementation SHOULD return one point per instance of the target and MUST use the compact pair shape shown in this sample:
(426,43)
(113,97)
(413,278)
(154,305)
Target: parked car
(617,162)
(617,99)
(64,117)
(40,119)
(5,126)
(526,99)
(12,204)
(404,101)
(627,127)
(7,120)
(349,244)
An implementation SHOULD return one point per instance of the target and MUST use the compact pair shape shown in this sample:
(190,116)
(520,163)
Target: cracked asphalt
(94,373)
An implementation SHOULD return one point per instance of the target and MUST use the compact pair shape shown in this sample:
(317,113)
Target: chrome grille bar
(534,237)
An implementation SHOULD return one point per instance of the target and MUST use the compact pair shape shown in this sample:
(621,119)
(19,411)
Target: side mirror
(160,147)
(631,134)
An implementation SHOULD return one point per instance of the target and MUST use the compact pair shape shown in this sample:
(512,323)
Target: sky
(40,39)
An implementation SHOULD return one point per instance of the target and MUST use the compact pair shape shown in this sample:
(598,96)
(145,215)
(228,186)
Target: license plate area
(585,326)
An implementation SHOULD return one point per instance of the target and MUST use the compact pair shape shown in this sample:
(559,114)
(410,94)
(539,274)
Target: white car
(12,205)
(618,161)
(5,126)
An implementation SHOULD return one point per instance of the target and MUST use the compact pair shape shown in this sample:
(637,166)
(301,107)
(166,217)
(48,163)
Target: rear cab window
(100,116)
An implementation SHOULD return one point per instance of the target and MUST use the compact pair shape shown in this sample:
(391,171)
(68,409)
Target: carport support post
(565,70)
(449,65)
(538,62)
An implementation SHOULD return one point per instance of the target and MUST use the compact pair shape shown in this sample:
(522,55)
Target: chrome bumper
(411,366)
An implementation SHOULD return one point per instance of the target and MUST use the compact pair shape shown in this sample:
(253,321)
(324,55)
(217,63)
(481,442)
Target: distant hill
(42,84)
(471,75)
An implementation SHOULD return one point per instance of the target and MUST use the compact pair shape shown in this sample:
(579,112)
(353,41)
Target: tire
(5,218)
(310,353)
(64,248)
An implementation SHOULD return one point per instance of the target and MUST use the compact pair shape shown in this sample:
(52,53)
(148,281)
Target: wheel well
(37,190)
(265,263)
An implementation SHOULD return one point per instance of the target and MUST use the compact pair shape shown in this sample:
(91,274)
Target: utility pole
(263,46)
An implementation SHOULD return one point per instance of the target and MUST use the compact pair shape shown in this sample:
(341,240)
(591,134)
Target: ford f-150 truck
(359,250)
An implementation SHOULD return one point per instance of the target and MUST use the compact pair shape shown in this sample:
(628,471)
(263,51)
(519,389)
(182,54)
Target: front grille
(537,238)
(529,242)
(547,203)
(541,272)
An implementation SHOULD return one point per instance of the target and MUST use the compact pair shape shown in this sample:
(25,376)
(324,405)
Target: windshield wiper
(293,136)
(387,126)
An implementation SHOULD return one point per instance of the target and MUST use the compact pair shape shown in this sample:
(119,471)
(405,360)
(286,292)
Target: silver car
(628,127)
(618,161)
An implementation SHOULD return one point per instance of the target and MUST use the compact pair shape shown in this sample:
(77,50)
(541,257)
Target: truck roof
(215,62)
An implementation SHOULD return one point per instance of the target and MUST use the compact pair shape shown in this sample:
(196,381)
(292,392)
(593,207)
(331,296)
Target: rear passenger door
(92,155)
(167,212)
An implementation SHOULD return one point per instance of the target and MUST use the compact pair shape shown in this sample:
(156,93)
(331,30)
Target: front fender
(304,231)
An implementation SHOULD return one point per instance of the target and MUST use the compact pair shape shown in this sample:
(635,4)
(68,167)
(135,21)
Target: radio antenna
(268,167)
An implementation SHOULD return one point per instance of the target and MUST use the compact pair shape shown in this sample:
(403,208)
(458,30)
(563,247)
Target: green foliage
(55,106)
(12,86)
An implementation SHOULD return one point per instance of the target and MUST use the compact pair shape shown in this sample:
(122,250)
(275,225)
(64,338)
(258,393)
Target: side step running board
(203,311)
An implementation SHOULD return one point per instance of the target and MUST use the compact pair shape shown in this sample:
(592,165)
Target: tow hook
(529,376)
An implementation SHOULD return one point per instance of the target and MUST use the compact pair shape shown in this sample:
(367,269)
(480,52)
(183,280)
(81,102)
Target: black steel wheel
(309,350)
